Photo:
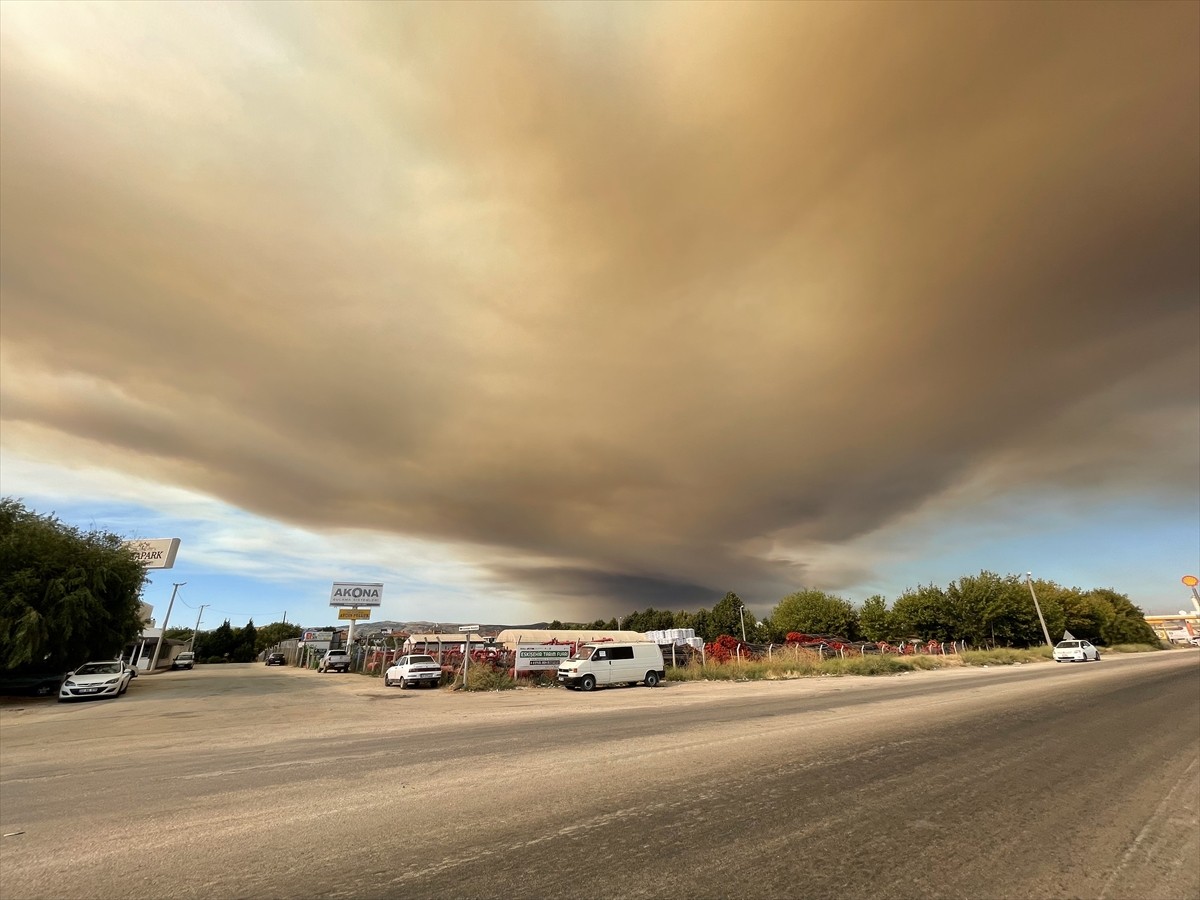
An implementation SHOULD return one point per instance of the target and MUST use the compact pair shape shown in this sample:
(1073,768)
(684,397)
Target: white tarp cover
(509,636)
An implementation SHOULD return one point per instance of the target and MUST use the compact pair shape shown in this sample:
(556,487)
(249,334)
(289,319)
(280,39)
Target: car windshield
(584,653)
(101,668)
(421,659)
(1068,644)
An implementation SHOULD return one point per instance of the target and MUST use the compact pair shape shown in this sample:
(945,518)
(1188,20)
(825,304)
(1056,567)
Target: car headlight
(112,681)
(68,683)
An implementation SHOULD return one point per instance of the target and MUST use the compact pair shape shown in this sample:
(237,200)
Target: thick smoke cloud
(645,302)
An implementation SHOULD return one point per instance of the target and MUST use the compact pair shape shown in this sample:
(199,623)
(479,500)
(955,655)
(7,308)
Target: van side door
(624,667)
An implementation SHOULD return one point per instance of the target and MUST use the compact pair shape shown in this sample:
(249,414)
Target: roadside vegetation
(65,595)
(789,662)
(984,610)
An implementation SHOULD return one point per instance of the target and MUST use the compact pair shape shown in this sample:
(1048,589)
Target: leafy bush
(482,677)
(215,659)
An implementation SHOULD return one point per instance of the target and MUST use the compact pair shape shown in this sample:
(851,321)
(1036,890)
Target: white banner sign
(351,594)
(541,657)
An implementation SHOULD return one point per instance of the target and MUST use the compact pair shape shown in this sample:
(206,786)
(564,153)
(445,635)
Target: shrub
(482,677)
(1004,656)
(796,662)
(1132,648)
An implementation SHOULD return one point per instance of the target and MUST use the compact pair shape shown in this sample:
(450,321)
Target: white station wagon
(414,669)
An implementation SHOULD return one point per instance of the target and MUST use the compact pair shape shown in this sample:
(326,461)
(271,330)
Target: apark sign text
(157,553)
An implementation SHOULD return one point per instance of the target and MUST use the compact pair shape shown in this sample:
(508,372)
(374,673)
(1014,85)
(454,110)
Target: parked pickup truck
(415,669)
(334,661)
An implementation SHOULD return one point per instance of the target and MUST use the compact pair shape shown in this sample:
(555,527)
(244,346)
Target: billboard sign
(541,657)
(158,553)
(316,636)
(352,594)
(353,614)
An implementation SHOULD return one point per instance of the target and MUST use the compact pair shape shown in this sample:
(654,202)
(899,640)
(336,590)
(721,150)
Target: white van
(613,663)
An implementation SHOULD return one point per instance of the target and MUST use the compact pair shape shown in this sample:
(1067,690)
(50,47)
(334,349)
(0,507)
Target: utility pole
(1037,606)
(162,637)
(192,642)
(742,616)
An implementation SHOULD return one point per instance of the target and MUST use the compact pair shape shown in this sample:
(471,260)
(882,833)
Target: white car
(1075,651)
(109,678)
(415,669)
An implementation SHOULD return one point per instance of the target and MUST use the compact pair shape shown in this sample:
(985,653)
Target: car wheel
(1097,657)
(651,679)
(403,684)
(587,682)
(387,682)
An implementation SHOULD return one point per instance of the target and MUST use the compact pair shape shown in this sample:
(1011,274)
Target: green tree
(245,642)
(813,612)
(875,620)
(276,633)
(1086,614)
(725,618)
(178,634)
(1127,624)
(66,596)
(922,613)
(989,609)
(698,622)
(218,642)
(1022,619)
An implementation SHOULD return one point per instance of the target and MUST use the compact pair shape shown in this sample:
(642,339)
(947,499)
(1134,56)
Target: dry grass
(790,663)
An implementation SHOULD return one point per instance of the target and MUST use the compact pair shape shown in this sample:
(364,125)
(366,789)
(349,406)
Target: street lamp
(1037,606)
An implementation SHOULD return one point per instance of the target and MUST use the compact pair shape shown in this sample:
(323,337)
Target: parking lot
(244,780)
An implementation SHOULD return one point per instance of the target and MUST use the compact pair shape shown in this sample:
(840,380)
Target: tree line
(984,610)
(68,595)
(227,644)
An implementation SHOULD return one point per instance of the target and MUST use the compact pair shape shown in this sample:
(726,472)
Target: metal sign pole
(469,629)
(162,637)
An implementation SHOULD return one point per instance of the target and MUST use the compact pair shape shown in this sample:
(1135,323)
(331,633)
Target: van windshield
(584,653)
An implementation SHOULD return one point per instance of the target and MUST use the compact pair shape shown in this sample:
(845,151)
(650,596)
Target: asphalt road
(242,781)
